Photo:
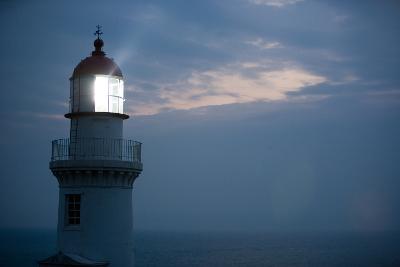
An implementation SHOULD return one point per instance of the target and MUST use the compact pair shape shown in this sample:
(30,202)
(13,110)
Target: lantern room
(97,85)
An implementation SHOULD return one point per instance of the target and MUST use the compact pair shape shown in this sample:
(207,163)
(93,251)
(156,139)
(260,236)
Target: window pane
(71,95)
(76,198)
(121,89)
(114,87)
(113,104)
(121,105)
(75,96)
(101,94)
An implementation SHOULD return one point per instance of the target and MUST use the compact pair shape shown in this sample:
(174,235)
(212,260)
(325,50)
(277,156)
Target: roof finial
(98,43)
(98,32)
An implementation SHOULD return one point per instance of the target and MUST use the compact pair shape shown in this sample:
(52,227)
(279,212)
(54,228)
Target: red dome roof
(97,63)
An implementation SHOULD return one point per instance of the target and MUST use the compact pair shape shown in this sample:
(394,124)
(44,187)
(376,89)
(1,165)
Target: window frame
(73,204)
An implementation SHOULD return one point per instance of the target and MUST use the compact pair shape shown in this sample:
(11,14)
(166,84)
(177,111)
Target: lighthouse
(95,168)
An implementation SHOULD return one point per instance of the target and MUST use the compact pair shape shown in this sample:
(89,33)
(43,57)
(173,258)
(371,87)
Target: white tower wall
(97,127)
(106,232)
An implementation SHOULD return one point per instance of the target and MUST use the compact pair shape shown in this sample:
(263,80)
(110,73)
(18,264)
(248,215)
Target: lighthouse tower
(95,168)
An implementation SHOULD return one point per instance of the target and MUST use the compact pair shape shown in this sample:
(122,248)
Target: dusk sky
(255,115)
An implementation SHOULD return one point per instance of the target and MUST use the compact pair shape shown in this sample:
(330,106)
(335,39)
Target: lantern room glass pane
(101,94)
(114,87)
(113,104)
(71,95)
(76,97)
(121,89)
(121,105)
(121,97)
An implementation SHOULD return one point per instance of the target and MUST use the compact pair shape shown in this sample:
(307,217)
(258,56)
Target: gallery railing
(96,149)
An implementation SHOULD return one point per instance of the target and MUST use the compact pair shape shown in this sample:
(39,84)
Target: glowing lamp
(108,94)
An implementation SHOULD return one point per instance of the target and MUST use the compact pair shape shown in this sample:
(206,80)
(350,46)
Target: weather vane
(98,32)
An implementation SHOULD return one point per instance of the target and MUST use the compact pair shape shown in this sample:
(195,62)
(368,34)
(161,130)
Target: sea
(22,248)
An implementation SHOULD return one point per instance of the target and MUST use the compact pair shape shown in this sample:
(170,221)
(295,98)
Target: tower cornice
(115,165)
(95,178)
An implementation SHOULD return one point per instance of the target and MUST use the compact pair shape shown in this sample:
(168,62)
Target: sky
(255,115)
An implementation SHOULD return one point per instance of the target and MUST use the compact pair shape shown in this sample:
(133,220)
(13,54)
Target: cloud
(262,44)
(346,79)
(234,83)
(275,3)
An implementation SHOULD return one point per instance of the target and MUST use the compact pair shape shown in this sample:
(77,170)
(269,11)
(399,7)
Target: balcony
(95,152)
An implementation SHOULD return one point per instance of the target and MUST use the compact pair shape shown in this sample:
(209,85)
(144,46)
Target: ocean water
(21,248)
